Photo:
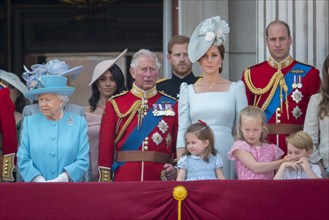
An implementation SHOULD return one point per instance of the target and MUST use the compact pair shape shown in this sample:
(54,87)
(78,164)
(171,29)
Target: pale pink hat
(103,66)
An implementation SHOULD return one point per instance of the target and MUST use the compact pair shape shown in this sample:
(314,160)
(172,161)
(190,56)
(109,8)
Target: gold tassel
(179,194)
(287,105)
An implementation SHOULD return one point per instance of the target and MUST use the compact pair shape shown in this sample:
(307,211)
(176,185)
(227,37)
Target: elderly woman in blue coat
(54,143)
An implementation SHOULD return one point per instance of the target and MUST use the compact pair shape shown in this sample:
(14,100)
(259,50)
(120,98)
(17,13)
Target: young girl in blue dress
(200,160)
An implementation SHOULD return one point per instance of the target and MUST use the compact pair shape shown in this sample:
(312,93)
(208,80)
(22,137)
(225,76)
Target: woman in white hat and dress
(17,90)
(107,81)
(212,99)
(54,143)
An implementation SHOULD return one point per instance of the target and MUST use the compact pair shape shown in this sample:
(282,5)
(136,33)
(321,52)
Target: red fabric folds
(213,199)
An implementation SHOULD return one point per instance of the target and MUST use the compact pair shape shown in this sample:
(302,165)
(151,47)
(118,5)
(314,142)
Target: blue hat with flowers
(210,31)
(53,84)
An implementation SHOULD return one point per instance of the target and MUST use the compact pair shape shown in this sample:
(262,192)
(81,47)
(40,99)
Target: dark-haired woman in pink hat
(107,81)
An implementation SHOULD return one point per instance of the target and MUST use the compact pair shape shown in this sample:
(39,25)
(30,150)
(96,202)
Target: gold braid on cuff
(105,174)
(8,166)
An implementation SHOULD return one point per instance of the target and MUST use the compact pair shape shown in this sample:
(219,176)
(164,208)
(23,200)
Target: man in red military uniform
(281,86)
(139,128)
(8,136)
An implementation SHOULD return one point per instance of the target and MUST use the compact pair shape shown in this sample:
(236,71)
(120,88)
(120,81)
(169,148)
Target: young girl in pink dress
(255,159)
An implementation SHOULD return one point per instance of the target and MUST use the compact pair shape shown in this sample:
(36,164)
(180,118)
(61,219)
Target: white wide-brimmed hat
(53,67)
(53,84)
(103,66)
(210,31)
(13,80)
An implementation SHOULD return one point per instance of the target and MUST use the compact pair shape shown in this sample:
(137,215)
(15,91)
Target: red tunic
(7,122)
(261,75)
(166,139)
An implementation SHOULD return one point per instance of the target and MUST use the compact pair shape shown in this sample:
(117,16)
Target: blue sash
(289,78)
(137,136)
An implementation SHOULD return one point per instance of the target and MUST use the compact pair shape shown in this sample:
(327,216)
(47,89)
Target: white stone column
(309,25)
(167,27)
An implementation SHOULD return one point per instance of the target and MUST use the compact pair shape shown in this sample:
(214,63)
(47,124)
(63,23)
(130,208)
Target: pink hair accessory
(202,122)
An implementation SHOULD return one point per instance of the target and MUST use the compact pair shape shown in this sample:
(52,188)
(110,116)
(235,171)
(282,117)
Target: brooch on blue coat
(70,120)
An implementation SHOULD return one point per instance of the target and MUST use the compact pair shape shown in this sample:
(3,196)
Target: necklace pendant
(210,87)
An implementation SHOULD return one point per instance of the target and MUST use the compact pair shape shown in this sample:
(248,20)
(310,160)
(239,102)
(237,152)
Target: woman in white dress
(212,99)
(107,80)
(317,122)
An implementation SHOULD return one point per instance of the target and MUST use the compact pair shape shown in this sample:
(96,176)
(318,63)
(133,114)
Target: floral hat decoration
(210,31)
(49,78)
(54,84)
(53,67)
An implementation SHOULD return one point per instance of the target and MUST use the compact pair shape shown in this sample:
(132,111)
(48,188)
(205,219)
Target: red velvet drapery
(213,199)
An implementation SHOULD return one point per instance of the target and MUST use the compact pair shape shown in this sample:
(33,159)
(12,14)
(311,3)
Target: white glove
(39,179)
(61,178)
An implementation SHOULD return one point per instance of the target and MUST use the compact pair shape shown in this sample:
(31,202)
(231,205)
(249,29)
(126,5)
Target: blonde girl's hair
(254,112)
(203,132)
(300,140)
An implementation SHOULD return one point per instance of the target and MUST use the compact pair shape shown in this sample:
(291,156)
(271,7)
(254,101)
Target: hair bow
(202,122)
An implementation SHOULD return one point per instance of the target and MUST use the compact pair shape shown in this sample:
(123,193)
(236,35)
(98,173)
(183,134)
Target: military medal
(294,85)
(296,112)
(163,126)
(157,139)
(169,110)
(158,110)
(297,96)
(299,84)
(155,110)
(161,109)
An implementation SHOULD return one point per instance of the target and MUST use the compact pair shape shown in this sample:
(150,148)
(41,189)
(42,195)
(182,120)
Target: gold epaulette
(169,96)
(8,166)
(120,94)
(306,64)
(161,80)
(105,174)
(255,65)
(199,78)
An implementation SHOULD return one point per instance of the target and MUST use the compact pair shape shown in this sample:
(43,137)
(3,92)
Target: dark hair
(221,49)
(119,80)
(278,22)
(20,103)
(324,90)
(177,39)
(203,132)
